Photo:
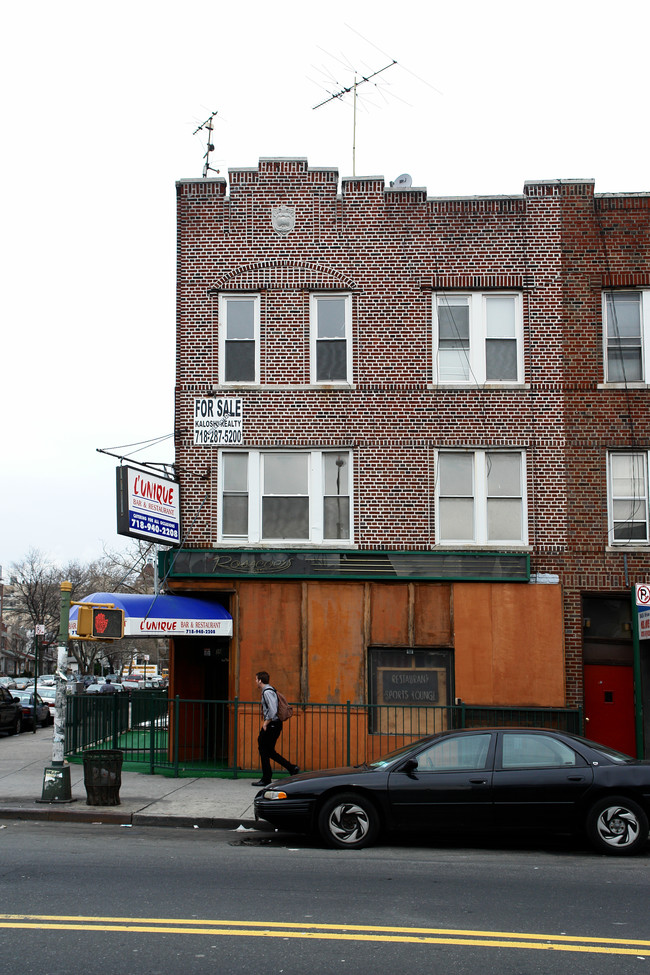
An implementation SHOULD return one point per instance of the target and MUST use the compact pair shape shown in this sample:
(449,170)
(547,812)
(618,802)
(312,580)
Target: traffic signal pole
(56,777)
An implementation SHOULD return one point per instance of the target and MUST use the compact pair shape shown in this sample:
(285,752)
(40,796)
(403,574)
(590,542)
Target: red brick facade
(558,246)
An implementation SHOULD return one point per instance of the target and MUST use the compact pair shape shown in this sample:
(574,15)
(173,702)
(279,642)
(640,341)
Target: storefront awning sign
(163,615)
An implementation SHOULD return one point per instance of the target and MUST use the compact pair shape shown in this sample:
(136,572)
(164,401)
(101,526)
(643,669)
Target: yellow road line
(329,932)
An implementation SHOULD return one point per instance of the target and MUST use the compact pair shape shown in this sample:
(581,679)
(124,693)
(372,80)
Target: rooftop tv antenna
(345,91)
(207,168)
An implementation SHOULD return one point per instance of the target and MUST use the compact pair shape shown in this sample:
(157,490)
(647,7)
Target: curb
(60,813)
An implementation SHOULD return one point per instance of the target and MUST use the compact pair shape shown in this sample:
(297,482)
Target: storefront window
(409,690)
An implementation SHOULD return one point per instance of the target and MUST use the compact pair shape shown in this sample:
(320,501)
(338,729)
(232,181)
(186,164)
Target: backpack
(285,711)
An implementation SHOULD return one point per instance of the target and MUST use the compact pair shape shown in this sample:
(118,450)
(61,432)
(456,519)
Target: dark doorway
(200,680)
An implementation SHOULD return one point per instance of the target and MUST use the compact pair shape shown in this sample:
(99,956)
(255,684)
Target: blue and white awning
(163,615)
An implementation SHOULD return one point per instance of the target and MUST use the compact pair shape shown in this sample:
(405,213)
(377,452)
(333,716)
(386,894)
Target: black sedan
(11,713)
(26,699)
(481,779)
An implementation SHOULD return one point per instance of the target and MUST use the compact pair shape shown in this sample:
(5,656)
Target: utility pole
(56,777)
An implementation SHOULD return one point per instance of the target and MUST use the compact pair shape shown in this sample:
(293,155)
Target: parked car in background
(48,694)
(7,682)
(97,687)
(11,712)
(471,781)
(38,712)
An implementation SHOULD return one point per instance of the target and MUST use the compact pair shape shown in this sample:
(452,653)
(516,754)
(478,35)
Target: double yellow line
(331,932)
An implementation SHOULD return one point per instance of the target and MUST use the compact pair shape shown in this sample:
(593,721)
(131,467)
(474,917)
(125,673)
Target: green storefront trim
(365,566)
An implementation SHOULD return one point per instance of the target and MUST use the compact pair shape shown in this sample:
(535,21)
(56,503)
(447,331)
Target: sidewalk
(146,800)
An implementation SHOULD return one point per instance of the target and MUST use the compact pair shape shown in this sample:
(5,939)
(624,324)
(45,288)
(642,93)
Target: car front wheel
(18,726)
(617,826)
(348,821)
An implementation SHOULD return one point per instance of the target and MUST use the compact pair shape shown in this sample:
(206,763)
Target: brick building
(412,440)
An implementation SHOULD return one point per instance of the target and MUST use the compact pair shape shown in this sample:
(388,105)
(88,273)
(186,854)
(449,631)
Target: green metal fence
(197,737)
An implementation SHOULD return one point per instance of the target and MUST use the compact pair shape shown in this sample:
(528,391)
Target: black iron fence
(220,737)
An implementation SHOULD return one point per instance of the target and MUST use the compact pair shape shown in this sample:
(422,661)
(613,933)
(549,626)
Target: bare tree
(35,584)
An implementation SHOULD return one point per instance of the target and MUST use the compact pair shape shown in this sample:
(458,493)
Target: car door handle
(478,781)
(575,778)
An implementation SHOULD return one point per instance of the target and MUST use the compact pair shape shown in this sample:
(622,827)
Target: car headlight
(274,794)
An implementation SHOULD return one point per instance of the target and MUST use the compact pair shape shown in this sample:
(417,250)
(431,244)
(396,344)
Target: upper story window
(628,498)
(627,321)
(239,338)
(478,338)
(279,496)
(480,497)
(331,338)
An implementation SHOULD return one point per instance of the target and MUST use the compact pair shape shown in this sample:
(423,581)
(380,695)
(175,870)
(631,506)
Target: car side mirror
(410,766)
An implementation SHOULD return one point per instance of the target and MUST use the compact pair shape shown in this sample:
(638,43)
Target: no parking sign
(643,608)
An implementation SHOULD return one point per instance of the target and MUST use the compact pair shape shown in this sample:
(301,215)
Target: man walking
(270,731)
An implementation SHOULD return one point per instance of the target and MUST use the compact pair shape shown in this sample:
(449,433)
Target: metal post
(35,678)
(56,777)
(347,709)
(636,669)
(177,711)
(116,728)
(234,747)
(152,732)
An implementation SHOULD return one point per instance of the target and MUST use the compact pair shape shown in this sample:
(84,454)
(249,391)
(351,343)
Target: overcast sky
(100,103)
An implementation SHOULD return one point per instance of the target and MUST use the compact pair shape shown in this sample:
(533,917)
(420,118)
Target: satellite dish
(403,180)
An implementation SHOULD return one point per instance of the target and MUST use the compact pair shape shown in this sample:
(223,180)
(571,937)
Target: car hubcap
(617,826)
(349,823)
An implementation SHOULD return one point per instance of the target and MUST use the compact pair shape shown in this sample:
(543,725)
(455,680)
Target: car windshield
(391,757)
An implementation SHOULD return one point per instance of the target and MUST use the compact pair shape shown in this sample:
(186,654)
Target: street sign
(642,594)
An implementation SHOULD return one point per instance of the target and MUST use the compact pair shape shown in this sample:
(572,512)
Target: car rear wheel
(348,821)
(617,826)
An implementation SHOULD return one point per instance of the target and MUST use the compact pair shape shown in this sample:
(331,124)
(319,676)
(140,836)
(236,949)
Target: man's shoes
(260,783)
(294,770)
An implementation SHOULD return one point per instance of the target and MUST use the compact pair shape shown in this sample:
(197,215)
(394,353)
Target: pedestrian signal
(99,623)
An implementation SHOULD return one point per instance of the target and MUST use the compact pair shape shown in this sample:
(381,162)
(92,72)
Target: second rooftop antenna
(345,91)
(207,168)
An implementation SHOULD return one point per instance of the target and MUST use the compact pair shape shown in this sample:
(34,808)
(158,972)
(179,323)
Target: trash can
(103,777)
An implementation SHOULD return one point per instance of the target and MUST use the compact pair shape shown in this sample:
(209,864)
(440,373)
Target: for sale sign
(218,421)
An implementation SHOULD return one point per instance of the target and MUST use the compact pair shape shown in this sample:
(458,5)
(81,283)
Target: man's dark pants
(266,743)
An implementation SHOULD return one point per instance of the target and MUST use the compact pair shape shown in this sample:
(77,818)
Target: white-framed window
(481,497)
(331,338)
(239,338)
(626,317)
(478,338)
(628,497)
(280,496)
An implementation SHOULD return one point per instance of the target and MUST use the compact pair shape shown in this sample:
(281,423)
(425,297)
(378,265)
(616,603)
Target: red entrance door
(609,706)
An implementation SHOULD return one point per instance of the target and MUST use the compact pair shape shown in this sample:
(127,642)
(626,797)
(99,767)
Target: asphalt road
(108,899)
